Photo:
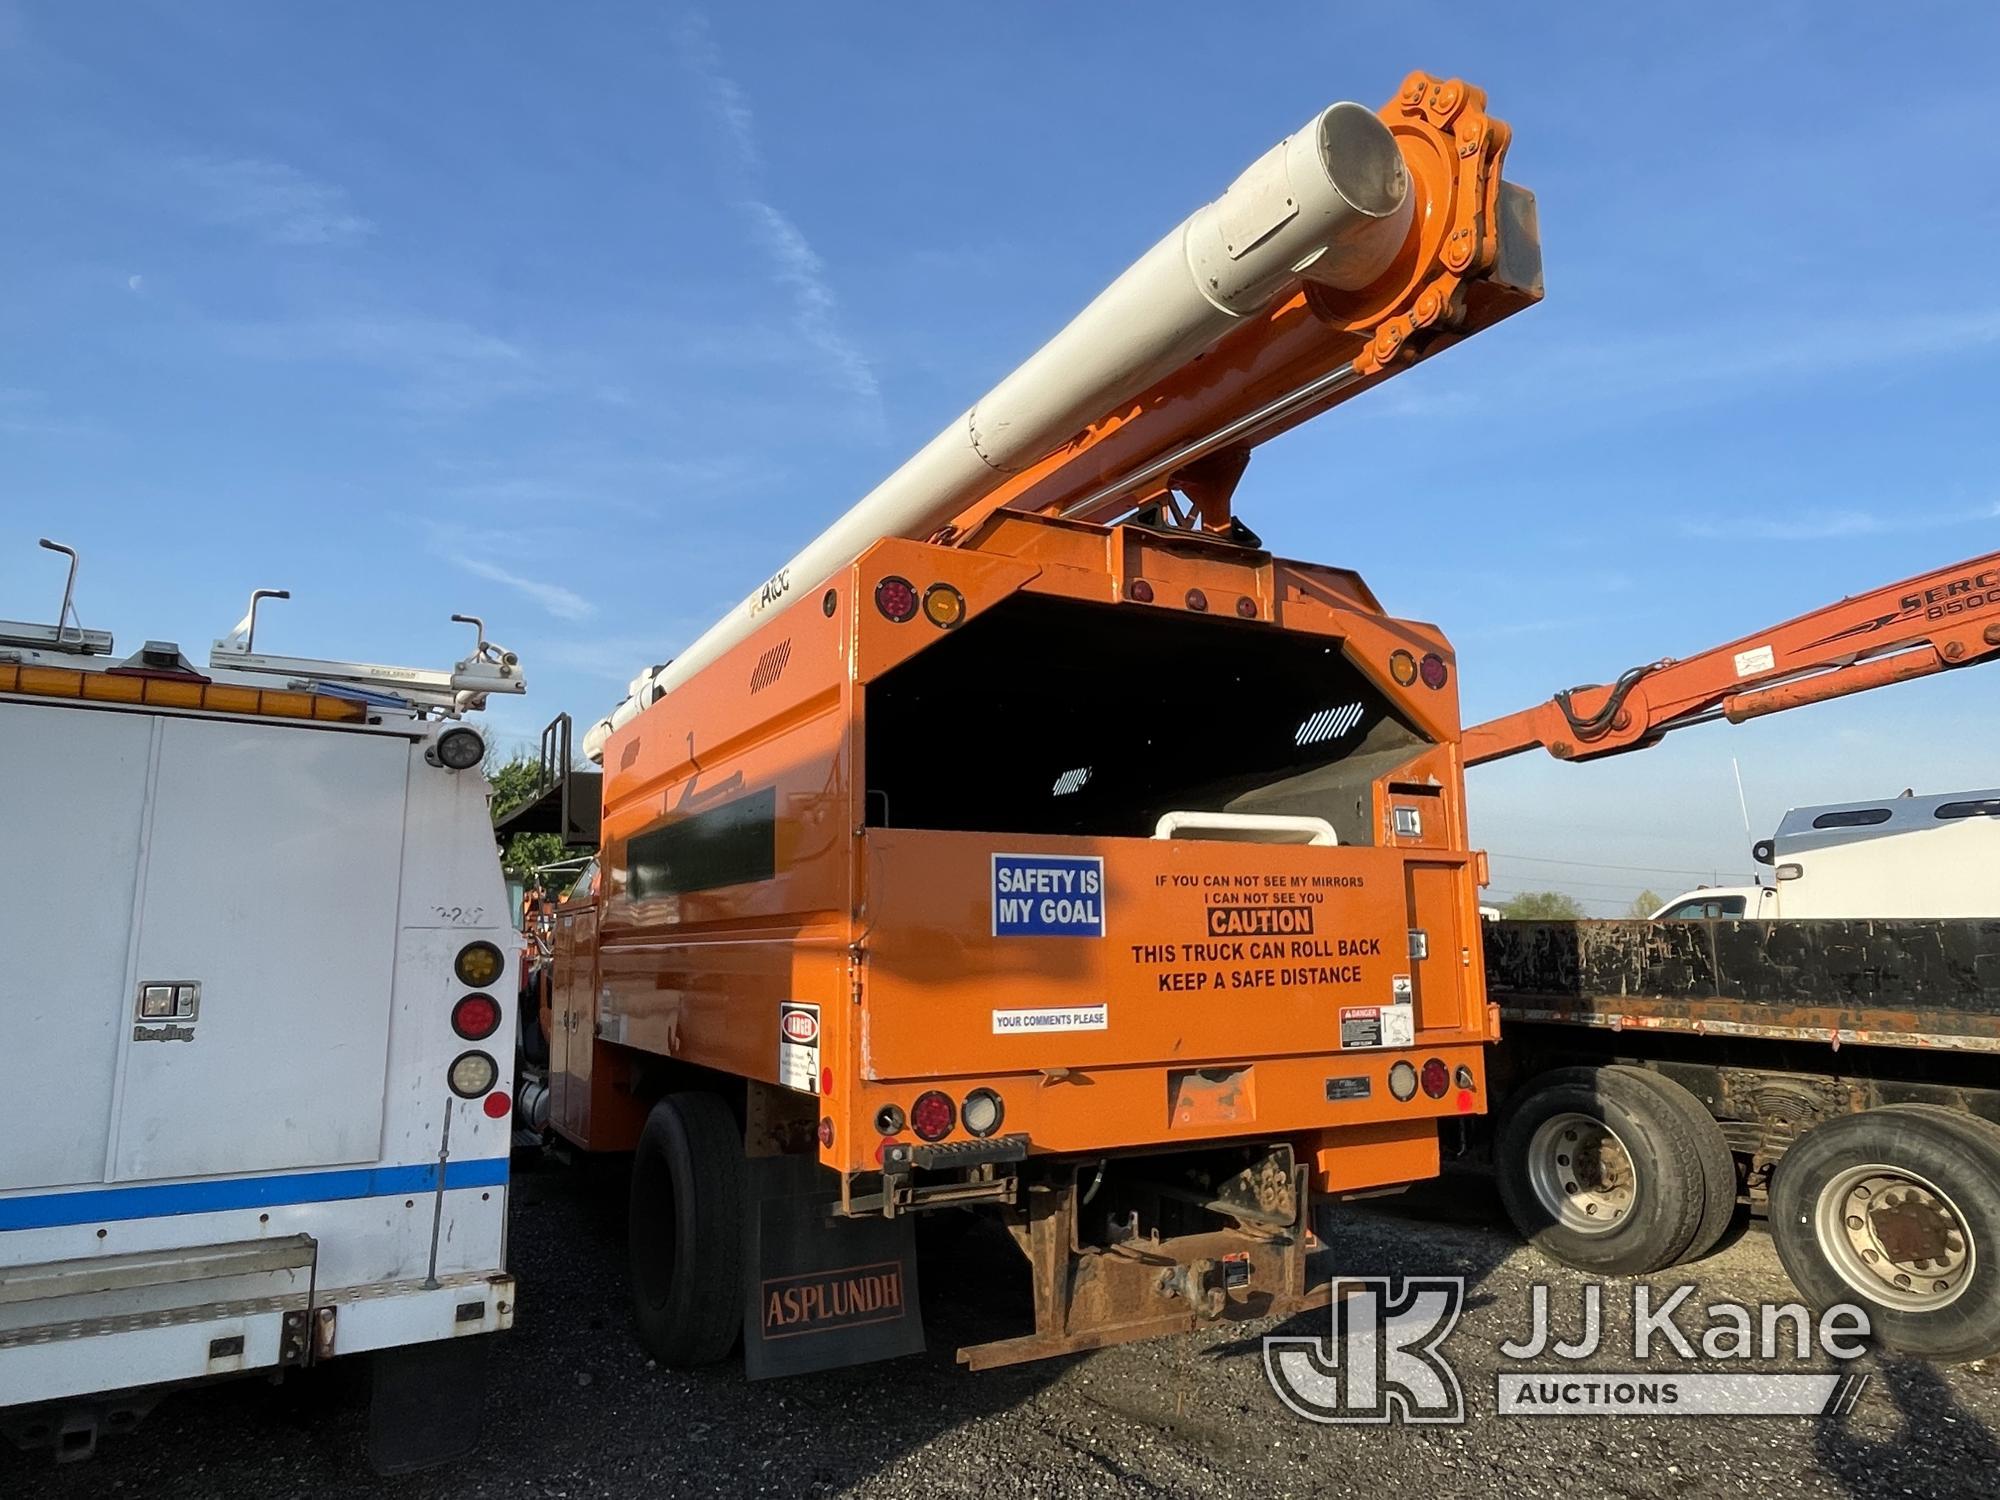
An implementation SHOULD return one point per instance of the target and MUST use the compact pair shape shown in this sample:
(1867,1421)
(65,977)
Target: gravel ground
(577,1411)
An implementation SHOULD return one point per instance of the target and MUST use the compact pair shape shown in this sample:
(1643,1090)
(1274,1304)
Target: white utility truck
(256,984)
(1907,856)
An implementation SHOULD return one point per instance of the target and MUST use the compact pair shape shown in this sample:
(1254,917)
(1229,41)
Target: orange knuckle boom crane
(1037,841)
(1931,623)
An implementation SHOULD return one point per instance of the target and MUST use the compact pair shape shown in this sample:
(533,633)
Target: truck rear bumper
(79,1328)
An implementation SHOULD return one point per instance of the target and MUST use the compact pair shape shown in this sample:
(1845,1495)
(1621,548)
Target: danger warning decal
(1048,895)
(798,1046)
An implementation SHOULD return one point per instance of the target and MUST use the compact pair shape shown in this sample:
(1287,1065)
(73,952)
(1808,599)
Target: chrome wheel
(1895,1237)
(1582,1173)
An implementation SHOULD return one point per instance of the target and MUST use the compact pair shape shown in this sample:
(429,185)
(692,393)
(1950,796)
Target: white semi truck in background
(1906,856)
(258,1002)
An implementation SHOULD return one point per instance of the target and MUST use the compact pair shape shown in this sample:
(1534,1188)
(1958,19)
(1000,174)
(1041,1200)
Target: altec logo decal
(822,1301)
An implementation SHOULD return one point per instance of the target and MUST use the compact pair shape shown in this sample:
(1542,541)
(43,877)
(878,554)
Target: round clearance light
(828,603)
(889,1120)
(1247,607)
(944,606)
(472,1074)
(826,1131)
(982,1112)
(457,749)
(478,965)
(1433,670)
(1437,1078)
(933,1115)
(1402,667)
(1139,591)
(896,599)
(1197,600)
(1403,1081)
(476,1017)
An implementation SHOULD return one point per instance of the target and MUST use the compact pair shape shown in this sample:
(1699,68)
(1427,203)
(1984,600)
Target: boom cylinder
(1330,203)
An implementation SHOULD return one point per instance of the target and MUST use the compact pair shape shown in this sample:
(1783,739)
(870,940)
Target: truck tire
(686,1230)
(1922,1256)
(1600,1170)
(1718,1163)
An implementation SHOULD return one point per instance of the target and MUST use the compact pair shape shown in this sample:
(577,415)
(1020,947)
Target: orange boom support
(1078,859)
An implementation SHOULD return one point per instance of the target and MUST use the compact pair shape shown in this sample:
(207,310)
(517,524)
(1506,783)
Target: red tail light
(1433,670)
(1437,1078)
(933,1115)
(476,1017)
(897,599)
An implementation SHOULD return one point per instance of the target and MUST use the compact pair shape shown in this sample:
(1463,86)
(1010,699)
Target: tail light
(982,1112)
(476,1017)
(897,599)
(472,1074)
(933,1115)
(1403,1082)
(1437,1078)
(478,965)
(1433,670)
(944,606)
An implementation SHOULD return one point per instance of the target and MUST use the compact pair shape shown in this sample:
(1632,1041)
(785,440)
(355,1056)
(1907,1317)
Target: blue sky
(583,317)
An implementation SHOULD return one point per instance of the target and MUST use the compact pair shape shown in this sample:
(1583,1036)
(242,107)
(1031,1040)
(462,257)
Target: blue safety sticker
(1048,895)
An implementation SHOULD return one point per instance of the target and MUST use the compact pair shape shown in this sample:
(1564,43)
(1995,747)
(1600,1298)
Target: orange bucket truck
(1037,842)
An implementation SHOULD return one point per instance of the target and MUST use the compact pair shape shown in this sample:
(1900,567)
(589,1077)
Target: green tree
(1645,904)
(515,781)
(1542,906)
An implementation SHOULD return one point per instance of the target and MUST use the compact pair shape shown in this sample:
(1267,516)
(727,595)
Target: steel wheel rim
(1895,1237)
(1582,1173)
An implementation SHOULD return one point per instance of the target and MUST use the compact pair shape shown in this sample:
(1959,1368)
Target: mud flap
(823,1292)
(428,1403)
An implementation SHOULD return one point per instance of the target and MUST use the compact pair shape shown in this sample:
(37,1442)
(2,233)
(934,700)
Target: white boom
(1329,203)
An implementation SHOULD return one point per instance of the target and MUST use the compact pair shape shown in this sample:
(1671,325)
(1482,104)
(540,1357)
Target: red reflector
(1140,590)
(826,1082)
(498,1104)
(897,599)
(1432,670)
(933,1115)
(1436,1078)
(476,1017)
(1465,1101)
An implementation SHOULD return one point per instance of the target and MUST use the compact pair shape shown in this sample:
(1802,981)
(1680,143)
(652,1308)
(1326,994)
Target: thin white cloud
(564,604)
(277,203)
(440,366)
(795,267)
(1831,525)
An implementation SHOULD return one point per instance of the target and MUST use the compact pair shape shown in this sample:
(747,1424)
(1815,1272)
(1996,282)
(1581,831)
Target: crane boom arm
(1931,623)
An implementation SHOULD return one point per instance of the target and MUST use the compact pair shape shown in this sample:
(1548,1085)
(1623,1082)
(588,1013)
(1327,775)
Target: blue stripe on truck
(93,1205)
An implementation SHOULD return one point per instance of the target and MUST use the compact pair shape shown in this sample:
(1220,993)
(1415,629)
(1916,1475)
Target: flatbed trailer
(1841,1076)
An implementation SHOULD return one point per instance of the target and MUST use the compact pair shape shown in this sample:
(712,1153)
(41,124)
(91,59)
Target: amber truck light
(944,606)
(478,965)
(982,1112)
(476,1017)
(1437,1078)
(933,1115)
(1402,667)
(472,1074)
(897,599)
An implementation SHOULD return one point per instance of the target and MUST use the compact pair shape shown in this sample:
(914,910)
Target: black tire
(1718,1164)
(685,1231)
(1959,1156)
(1669,1190)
